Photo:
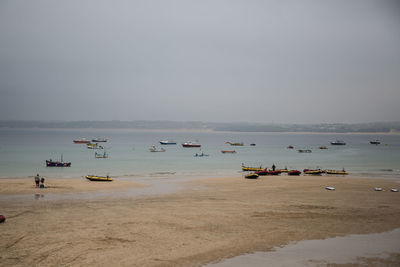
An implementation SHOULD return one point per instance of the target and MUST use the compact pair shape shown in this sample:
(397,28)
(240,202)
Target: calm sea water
(23,153)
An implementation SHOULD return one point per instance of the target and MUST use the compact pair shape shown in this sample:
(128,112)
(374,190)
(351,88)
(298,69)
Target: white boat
(155,149)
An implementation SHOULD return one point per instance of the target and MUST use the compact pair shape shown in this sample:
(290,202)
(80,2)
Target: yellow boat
(343,172)
(252,169)
(99,178)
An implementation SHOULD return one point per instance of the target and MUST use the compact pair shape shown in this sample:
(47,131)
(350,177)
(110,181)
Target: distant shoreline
(195,130)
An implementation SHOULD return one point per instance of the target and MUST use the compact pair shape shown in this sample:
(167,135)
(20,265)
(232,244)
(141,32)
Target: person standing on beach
(42,182)
(37,180)
(273,167)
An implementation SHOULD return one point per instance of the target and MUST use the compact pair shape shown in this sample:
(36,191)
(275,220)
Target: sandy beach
(209,220)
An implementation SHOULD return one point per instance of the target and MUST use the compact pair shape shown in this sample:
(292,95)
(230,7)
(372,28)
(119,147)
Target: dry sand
(211,219)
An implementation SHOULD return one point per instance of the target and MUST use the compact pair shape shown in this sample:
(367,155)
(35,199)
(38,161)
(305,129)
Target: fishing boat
(255,169)
(313,172)
(81,141)
(342,172)
(290,147)
(235,143)
(322,147)
(304,150)
(294,172)
(167,142)
(284,170)
(61,163)
(99,139)
(251,176)
(99,178)
(94,146)
(228,151)
(338,143)
(276,172)
(252,144)
(191,144)
(155,149)
(263,172)
(100,156)
(375,142)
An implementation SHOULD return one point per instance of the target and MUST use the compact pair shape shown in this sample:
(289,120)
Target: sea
(23,153)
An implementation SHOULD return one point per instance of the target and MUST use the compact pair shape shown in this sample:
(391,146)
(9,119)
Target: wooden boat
(284,170)
(322,147)
(313,172)
(167,142)
(342,172)
(375,142)
(100,156)
(99,178)
(228,151)
(262,173)
(304,150)
(234,143)
(155,149)
(51,163)
(244,168)
(338,143)
(253,144)
(81,141)
(94,146)
(2,218)
(191,144)
(99,139)
(294,172)
(290,147)
(251,176)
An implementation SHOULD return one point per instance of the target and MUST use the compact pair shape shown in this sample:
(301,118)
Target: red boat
(190,144)
(277,172)
(81,141)
(294,172)
(262,173)
(228,151)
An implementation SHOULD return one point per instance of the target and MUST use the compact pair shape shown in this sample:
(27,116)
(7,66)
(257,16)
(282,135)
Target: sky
(310,61)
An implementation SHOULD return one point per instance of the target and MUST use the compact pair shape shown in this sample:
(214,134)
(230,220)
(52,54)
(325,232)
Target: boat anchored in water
(61,163)
(191,144)
(338,143)
(375,142)
(156,149)
(167,142)
(81,141)
(100,156)
(235,143)
(94,146)
(99,139)
(228,151)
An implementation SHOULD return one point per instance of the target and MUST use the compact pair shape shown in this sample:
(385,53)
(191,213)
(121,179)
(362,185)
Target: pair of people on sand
(39,181)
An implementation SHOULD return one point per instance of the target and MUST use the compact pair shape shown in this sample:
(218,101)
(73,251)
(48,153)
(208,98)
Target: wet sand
(211,219)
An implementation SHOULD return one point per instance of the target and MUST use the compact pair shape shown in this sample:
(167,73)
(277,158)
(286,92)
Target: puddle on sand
(338,250)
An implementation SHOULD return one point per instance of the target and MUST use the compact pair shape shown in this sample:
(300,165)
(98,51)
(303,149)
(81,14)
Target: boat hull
(99,178)
(81,141)
(50,163)
(191,145)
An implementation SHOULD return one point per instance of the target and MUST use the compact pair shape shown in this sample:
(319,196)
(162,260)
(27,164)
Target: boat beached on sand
(99,178)
(255,169)
(251,176)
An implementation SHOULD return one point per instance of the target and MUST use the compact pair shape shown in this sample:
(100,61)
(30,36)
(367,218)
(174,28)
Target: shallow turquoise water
(23,153)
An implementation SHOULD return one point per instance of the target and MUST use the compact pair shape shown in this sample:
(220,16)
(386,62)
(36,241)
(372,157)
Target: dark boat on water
(375,142)
(338,143)
(61,163)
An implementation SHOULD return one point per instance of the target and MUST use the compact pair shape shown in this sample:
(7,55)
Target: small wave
(162,173)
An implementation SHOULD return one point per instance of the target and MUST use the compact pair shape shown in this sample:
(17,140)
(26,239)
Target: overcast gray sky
(209,60)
